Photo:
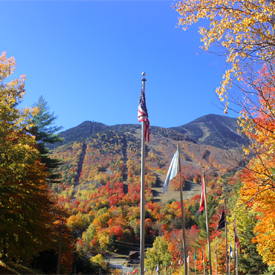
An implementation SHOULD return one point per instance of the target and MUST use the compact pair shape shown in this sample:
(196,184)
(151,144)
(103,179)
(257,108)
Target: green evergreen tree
(254,263)
(46,133)
(250,262)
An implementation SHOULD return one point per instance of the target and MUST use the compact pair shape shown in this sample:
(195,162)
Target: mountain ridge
(215,130)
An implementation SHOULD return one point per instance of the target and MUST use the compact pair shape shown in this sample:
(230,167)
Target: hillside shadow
(189,186)
(155,192)
(125,169)
(146,150)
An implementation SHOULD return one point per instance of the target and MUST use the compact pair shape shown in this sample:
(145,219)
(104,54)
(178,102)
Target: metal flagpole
(195,262)
(237,271)
(234,248)
(216,257)
(203,261)
(207,228)
(182,218)
(237,252)
(229,271)
(226,248)
(142,191)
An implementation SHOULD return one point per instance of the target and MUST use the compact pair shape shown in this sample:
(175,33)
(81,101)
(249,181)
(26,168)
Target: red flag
(134,271)
(202,195)
(143,114)
(237,241)
(172,265)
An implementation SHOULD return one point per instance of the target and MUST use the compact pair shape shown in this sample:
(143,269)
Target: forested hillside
(70,200)
(114,151)
(100,183)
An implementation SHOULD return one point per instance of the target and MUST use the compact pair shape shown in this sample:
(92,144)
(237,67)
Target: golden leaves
(243,28)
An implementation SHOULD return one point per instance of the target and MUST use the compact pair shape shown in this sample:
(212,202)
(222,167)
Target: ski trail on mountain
(79,168)
(125,169)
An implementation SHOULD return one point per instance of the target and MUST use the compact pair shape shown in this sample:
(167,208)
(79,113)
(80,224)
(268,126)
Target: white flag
(172,172)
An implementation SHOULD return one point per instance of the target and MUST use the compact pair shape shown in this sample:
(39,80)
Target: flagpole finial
(143,79)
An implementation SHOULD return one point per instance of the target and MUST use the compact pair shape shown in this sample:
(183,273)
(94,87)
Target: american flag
(143,114)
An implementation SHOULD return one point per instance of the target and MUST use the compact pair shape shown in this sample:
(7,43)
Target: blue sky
(86,59)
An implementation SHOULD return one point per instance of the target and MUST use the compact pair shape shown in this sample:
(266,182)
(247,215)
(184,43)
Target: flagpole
(207,228)
(216,256)
(142,190)
(226,248)
(237,271)
(195,262)
(182,217)
(229,271)
(237,252)
(203,261)
(234,248)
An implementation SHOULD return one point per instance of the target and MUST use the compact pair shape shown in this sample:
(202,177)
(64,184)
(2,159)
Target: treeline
(30,213)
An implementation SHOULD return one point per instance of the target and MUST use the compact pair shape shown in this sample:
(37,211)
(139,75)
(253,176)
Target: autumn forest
(83,184)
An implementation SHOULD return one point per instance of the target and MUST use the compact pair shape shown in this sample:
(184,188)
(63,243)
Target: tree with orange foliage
(258,177)
(27,210)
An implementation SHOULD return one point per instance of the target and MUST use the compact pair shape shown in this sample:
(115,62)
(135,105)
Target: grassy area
(12,268)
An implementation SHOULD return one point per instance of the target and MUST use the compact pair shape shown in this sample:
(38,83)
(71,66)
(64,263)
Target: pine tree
(45,133)
(254,263)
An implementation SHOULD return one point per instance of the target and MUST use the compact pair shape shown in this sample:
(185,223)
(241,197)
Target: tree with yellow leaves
(245,32)
(243,29)
(27,210)
(258,177)
(158,254)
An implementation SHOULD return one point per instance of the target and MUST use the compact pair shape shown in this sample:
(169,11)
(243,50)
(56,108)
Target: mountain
(214,130)
(93,153)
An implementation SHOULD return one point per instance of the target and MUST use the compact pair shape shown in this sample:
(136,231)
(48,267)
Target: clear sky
(86,59)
